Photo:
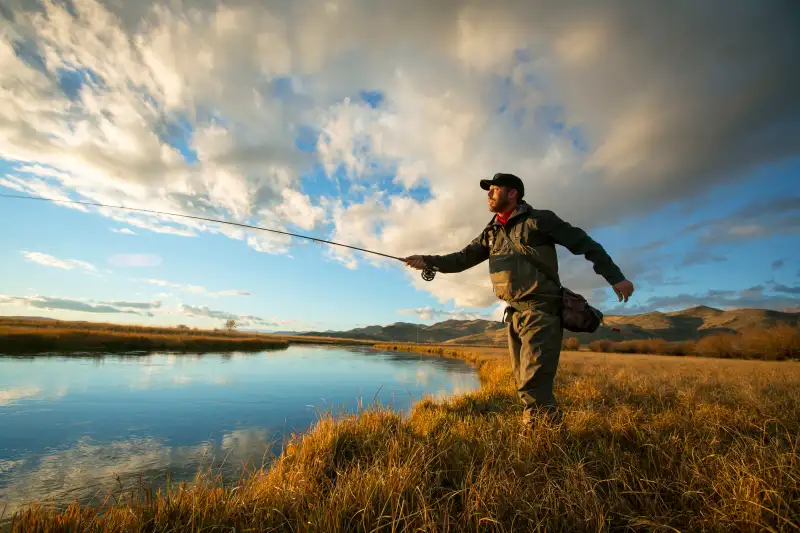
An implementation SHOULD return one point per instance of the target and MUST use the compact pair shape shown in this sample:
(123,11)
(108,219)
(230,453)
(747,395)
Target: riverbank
(76,343)
(651,442)
(76,338)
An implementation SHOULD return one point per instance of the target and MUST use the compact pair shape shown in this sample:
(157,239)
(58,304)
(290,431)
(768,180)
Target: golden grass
(30,336)
(652,444)
(16,340)
(771,343)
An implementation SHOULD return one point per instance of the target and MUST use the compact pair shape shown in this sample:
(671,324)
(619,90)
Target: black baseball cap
(502,179)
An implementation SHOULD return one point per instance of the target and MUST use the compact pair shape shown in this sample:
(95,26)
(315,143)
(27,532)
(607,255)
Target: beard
(501,203)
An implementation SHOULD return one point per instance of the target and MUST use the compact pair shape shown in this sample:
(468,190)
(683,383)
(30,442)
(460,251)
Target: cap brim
(485,184)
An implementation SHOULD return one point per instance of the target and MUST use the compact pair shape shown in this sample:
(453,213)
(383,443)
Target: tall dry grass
(41,336)
(771,343)
(19,340)
(647,346)
(651,444)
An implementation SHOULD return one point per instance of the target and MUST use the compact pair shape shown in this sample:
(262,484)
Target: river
(73,428)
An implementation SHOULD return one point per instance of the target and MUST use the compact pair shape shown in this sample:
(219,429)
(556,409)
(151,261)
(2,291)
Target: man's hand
(624,289)
(415,261)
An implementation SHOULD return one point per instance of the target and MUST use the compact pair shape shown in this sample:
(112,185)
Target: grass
(28,340)
(778,342)
(30,336)
(652,444)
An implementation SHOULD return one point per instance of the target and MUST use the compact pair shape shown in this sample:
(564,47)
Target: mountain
(406,332)
(688,324)
(31,318)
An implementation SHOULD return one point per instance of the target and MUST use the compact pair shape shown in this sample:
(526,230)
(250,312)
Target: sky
(669,132)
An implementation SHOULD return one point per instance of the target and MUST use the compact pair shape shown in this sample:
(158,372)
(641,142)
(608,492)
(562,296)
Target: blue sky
(693,195)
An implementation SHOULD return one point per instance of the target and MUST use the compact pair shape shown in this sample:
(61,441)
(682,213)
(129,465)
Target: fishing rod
(428,272)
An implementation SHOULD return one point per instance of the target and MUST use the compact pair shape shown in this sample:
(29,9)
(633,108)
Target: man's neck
(505,215)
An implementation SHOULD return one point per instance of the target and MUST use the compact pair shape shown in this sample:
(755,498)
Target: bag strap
(543,268)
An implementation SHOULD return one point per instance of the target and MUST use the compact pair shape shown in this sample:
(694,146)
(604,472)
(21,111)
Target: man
(519,243)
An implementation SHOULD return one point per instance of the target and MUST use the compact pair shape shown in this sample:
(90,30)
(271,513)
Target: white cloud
(542,91)
(105,465)
(83,306)
(135,260)
(14,394)
(233,293)
(195,289)
(124,231)
(11,183)
(430,313)
(44,172)
(141,223)
(245,321)
(66,264)
(297,209)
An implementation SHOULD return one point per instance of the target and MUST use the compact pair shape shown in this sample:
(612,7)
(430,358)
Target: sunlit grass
(19,336)
(776,342)
(651,443)
(16,339)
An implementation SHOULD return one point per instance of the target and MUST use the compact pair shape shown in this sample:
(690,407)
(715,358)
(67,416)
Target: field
(650,443)
(20,336)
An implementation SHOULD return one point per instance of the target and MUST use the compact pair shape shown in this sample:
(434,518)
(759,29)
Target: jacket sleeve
(578,242)
(474,253)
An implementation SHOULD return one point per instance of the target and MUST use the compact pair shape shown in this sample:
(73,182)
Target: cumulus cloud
(222,109)
(89,306)
(66,264)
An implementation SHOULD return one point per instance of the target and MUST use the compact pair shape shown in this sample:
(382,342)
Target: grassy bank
(29,337)
(22,340)
(652,443)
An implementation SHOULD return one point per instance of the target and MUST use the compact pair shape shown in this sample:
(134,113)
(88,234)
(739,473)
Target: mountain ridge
(687,324)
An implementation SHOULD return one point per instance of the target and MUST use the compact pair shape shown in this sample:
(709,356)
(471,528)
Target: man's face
(499,200)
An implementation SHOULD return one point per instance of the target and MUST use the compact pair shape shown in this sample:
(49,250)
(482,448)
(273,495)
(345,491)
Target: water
(76,428)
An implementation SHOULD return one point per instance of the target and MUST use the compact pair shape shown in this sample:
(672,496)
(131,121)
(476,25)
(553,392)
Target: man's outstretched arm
(474,253)
(579,242)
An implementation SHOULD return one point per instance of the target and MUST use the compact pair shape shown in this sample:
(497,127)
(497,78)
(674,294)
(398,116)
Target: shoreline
(35,339)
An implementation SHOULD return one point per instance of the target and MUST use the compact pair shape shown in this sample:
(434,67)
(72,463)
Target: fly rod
(428,273)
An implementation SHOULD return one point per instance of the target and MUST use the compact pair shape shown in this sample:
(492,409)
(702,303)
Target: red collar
(502,218)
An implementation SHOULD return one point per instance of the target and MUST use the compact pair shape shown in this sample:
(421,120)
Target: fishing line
(428,273)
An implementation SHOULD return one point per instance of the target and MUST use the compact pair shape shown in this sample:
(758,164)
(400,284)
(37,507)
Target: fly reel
(428,273)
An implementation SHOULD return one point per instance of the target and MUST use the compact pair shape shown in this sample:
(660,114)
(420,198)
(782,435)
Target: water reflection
(74,428)
(88,472)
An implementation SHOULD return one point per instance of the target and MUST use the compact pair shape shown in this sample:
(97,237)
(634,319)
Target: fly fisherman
(535,331)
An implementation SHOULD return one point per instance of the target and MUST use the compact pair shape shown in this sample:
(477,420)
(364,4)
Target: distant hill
(406,332)
(33,318)
(688,324)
